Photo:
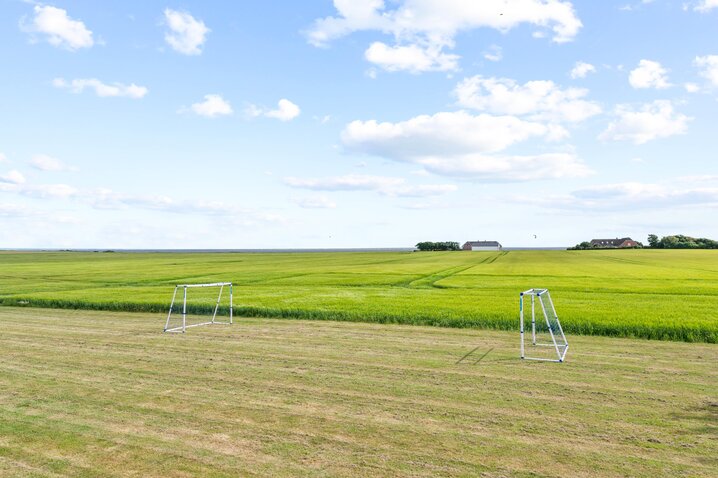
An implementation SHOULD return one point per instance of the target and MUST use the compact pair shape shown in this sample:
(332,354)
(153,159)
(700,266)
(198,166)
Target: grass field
(659,294)
(105,394)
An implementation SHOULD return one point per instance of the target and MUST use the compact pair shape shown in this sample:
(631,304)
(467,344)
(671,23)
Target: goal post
(546,330)
(197,308)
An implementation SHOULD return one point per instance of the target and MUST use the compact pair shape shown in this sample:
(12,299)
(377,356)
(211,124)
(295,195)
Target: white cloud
(388,186)
(706,5)
(701,178)
(60,30)
(581,69)
(352,182)
(649,74)
(443,133)
(628,196)
(108,199)
(3,158)
(542,100)
(212,106)
(51,191)
(709,67)
(494,53)
(651,121)
(101,89)
(103,198)
(507,167)
(285,111)
(43,162)
(12,177)
(691,87)
(187,34)
(423,190)
(411,58)
(464,145)
(423,28)
(315,202)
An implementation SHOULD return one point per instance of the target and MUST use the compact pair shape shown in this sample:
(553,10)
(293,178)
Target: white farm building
(482,246)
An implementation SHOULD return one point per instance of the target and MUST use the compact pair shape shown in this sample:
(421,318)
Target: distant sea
(263,251)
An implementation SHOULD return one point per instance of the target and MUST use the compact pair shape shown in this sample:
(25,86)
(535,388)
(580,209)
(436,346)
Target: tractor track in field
(429,281)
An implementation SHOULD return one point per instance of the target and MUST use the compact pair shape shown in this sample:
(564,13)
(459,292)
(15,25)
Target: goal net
(547,340)
(199,304)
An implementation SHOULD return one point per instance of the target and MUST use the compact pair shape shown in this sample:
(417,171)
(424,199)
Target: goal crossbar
(214,284)
(558,339)
(184,326)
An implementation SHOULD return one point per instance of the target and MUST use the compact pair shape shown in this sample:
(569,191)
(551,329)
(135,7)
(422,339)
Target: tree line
(438,246)
(681,242)
(677,241)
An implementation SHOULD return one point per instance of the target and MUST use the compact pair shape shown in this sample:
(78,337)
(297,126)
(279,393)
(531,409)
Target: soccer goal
(547,334)
(201,305)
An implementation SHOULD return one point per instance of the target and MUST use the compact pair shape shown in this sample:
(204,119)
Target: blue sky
(354,123)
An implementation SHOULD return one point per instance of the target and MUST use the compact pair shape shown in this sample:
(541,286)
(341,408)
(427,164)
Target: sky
(356,123)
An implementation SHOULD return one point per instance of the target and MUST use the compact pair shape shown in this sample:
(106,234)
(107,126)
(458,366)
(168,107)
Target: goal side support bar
(182,328)
(561,349)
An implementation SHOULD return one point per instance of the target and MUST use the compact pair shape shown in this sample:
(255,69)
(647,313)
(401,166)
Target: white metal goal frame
(558,338)
(182,328)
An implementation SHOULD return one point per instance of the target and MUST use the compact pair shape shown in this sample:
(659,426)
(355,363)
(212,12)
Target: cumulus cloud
(649,74)
(285,111)
(388,186)
(58,28)
(101,89)
(411,58)
(186,34)
(541,100)
(464,145)
(212,107)
(445,133)
(706,5)
(708,67)
(651,121)
(691,87)
(315,202)
(422,29)
(43,162)
(581,69)
(12,177)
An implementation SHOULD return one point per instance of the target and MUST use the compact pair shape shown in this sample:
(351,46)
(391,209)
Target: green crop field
(107,394)
(658,294)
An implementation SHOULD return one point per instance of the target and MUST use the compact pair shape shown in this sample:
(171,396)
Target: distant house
(481,246)
(611,243)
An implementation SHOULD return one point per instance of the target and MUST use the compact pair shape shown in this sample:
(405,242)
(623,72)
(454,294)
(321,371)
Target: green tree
(653,240)
(438,246)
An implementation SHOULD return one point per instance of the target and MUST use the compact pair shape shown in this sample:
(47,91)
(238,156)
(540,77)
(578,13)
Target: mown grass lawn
(659,294)
(106,394)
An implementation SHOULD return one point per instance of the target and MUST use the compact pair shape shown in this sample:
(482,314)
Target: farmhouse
(481,246)
(614,243)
